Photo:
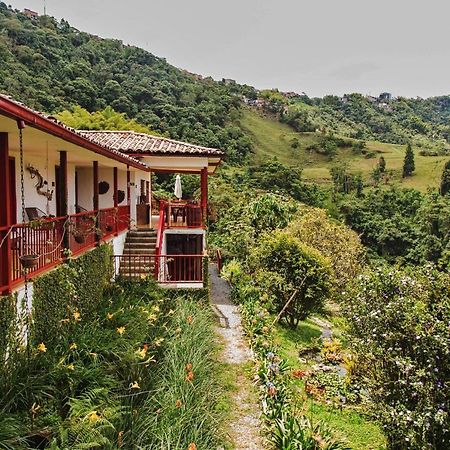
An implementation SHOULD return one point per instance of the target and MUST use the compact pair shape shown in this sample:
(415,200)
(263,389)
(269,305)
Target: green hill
(270,138)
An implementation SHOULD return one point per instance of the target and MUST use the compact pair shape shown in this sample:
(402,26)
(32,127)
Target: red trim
(39,122)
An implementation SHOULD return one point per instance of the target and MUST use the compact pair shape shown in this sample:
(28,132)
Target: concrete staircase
(142,243)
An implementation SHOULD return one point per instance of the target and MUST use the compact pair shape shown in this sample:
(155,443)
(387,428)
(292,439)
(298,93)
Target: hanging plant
(29,261)
(120,196)
(103,187)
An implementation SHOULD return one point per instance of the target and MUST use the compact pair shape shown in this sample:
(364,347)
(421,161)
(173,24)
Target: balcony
(47,240)
(182,214)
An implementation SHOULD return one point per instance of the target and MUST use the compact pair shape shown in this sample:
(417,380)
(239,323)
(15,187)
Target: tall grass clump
(181,413)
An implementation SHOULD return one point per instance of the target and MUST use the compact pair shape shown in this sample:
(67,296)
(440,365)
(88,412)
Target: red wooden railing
(171,268)
(180,269)
(49,237)
(182,215)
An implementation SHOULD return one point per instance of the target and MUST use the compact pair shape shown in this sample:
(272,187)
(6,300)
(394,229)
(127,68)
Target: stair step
(147,239)
(140,244)
(135,233)
(139,251)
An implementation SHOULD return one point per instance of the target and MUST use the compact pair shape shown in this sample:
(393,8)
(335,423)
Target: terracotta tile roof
(72,131)
(141,143)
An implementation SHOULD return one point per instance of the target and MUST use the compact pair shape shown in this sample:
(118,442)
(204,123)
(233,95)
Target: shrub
(335,241)
(300,271)
(399,328)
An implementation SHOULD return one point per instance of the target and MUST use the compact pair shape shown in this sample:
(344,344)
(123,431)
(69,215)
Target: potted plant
(79,235)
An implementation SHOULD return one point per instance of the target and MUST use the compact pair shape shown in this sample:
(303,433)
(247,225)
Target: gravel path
(245,428)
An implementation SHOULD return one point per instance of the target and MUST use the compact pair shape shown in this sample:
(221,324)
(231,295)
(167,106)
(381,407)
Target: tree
(445,179)
(290,271)
(408,163)
(382,164)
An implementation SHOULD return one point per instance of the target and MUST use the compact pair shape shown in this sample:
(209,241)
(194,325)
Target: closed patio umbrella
(178,190)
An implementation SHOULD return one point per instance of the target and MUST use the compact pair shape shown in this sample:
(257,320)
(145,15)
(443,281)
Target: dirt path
(245,428)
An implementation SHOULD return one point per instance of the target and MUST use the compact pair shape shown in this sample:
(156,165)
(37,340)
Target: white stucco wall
(86,187)
(32,199)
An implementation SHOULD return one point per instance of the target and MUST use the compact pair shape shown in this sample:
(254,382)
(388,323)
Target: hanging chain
(22,182)
(26,304)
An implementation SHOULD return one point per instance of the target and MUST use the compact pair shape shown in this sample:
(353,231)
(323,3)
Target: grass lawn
(360,432)
(273,139)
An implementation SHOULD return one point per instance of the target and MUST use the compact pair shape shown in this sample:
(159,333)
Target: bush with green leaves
(300,277)
(399,327)
(339,243)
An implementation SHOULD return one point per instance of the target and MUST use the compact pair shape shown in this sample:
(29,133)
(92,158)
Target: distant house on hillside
(290,94)
(228,81)
(385,97)
(30,14)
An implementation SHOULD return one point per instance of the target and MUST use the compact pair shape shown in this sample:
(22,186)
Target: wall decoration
(40,183)
(103,187)
(120,196)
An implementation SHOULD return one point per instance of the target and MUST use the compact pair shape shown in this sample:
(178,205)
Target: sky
(318,47)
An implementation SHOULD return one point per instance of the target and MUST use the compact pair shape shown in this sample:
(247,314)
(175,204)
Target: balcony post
(63,193)
(115,199)
(128,186)
(204,193)
(95,180)
(115,182)
(5,213)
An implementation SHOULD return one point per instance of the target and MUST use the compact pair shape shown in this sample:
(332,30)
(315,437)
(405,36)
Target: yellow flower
(109,316)
(142,353)
(120,330)
(93,417)
(77,316)
(143,276)
(42,348)
(71,367)
(134,385)
(35,408)
(73,346)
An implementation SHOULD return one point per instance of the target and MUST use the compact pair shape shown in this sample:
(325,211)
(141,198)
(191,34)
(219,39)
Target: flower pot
(80,238)
(29,261)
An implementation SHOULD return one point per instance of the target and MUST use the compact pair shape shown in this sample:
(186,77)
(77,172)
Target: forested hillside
(51,66)
(424,122)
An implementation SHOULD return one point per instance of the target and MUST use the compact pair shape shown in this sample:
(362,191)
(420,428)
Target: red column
(5,213)
(204,192)
(128,186)
(63,194)
(115,197)
(96,197)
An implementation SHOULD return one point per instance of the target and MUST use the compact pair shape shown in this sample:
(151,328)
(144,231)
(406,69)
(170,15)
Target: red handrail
(48,238)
